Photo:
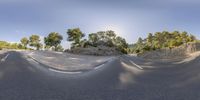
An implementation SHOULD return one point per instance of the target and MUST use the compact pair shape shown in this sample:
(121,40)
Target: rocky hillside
(99,51)
(175,53)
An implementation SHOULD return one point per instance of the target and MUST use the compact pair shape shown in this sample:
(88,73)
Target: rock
(99,51)
(175,53)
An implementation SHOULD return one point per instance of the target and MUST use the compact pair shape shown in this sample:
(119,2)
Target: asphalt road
(24,79)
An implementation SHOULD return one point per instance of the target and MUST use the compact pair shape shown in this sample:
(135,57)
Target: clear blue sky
(129,18)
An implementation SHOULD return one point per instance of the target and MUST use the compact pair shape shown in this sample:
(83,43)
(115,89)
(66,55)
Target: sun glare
(114,28)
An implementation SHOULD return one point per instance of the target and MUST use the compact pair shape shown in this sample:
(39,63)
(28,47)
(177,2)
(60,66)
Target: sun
(114,28)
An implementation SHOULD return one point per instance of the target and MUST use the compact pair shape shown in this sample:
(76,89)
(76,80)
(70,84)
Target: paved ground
(23,79)
(66,61)
(2,54)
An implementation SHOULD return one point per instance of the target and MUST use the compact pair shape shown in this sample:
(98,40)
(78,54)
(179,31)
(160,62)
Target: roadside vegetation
(161,40)
(78,39)
(53,41)
(101,40)
(7,45)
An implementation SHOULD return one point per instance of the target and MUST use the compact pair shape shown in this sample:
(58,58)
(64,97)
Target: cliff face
(175,53)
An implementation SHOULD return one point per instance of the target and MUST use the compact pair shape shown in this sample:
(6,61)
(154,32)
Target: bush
(147,48)
(137,51)
(161,40)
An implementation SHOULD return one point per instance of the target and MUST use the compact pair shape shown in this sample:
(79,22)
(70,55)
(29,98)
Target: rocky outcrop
(175,53)
(99,51)
(192,47)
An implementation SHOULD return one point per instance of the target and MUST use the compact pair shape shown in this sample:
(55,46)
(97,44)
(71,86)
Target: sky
(130,19)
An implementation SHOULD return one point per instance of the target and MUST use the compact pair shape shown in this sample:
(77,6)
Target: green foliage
(4,44)
(84,43)
(75,35)
(161,40)
(24,42)
(53,40)
(121,44)
(47,47)
(7,45)
(101,38)
(35,41)
(59,48)
(93,39)
(109,39)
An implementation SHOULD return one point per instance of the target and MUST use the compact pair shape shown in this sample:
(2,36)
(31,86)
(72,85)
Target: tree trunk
(56,48)
(38,48)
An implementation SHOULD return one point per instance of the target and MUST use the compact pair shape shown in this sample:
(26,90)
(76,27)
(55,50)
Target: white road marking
(4,59)
(36,62)
(110,59)
(33,59)
(99,66)
(136,65)
(78,72)
(73,58)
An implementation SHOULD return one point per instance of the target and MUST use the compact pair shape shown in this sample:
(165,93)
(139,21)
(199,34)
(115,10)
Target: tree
(106,38)
(150,39)
(53,40)
(13,46)
(110,34)
(93,39)
(184,36)
(35,41)
(140,41)
(4,44)
(47,47)
(75,35)
(172,43)
(192,38)
(101,35)
(24,42)
(60,48)
(84,43)
(121,44)
(7,45)
(161,40)
(20,46)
